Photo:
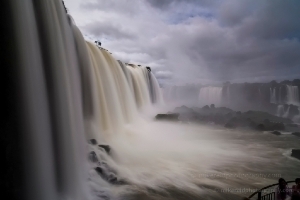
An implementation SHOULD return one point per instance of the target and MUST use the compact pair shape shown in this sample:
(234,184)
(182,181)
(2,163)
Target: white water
(287,112)
(210,95)
(273,95)
(293,95)
(297,117)
(75,91)
(280,95)
(280,110)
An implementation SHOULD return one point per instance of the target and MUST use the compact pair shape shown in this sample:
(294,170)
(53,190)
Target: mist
(149,99)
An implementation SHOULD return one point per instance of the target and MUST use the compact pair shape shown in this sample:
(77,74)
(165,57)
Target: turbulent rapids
(62,91)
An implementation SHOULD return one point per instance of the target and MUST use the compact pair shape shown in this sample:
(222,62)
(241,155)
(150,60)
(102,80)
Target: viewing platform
(266,193)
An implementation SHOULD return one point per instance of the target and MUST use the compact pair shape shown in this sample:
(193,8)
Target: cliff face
(278,98)
(264,96)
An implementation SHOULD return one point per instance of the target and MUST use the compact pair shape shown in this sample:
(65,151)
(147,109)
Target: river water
(164,160)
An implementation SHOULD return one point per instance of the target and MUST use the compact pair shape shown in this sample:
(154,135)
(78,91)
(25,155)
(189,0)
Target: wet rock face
(106,148)
(105,171)
(260,127)
(93,157)
(276,133)
(296,153)
(293,111)
(230,125)
(109,176)
(229,118)
(296,134)
(93,142)
(167,117)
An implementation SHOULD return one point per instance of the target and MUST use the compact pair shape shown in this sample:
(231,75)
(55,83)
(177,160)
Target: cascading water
(140,84)
(293,95)
(156,93)
(280,95)
(287,112)
(210,95)
(297,117)
(50,106)
(72,91)
(280,110)
(273,95)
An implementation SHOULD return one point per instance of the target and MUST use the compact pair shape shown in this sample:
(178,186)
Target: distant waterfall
(287,112)
(210,95)
(280,95)
(280,110)
(273,95)
(297,117)
(293,95)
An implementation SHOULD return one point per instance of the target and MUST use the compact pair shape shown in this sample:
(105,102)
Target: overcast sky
(198,41)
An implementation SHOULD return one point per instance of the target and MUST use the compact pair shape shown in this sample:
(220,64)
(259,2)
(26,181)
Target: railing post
(259,195)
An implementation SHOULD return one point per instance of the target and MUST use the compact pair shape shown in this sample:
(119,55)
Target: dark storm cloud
(249,39)
(202,40)
(163,4)
(273,20)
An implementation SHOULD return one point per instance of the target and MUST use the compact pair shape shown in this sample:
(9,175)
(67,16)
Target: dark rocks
(105,147)
(296,82)
(93,142)
(183,110)
(292,128)
(256,120)
(260,127)
(206,107)
(99,170)
(103,169)
(296,153)
(293,111)
(292,125)
(230,125)
(259,117)
(167,117)
(93,157)
(110,177)
(278,126)
(276,133)
(296,134)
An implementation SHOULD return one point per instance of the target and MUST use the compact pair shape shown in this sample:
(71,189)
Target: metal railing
(269,196)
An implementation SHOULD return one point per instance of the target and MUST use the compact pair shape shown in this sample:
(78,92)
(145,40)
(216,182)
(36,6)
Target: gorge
(79,125)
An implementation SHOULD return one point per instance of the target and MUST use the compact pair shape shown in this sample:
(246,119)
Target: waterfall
(210,95)
(50,103)
(297,117)
(228,95)
(280,110)
(156,92)
(287,112)
(114,104)
(140,85)
(272,95)
(293,95)
(70,91)
(280,96)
